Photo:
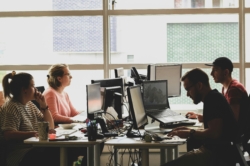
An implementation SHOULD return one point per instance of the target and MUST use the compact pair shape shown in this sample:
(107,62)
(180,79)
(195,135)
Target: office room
(95,37)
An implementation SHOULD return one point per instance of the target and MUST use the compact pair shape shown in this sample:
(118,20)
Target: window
(177,38)
(94,37)
(47,5)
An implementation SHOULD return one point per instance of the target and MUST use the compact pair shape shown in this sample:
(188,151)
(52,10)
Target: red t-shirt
(235,92)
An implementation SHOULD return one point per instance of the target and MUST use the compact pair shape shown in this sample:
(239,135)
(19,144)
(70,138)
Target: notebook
(155,100)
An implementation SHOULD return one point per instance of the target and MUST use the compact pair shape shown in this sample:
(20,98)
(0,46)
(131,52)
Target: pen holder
(92,133)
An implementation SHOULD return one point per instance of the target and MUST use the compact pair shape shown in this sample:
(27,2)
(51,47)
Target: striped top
(19,117)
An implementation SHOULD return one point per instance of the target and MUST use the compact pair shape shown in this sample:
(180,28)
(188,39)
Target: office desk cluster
(166,150)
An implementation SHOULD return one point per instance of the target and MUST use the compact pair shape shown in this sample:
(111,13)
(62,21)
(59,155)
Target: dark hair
(14,87)
(54,72)
(196,75)
(223,63)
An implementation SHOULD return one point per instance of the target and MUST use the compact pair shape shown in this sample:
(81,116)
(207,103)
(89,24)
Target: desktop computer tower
(118,104)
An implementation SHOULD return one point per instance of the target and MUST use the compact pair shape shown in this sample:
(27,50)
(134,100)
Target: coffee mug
(43,128)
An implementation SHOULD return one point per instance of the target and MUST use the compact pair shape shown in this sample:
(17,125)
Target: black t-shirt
(216,106)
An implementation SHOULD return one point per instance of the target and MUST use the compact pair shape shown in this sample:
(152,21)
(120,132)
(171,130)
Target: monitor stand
(131,134)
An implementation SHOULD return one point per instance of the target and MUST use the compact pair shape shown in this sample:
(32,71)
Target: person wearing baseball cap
(232,89)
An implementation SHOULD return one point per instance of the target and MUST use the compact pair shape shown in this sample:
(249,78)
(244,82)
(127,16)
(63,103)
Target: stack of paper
(174,141)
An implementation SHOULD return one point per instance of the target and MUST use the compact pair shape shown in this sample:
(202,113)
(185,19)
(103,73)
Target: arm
(213,131)
(236,110)
(44,109)
(73,111)
(53,103)
(235,96)
(192,115)
(19,135)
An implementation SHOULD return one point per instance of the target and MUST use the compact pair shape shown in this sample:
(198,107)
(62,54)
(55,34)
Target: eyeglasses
(188,88)
(68,74)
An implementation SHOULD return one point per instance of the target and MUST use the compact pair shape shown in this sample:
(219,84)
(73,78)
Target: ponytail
(12,88)
(6,85)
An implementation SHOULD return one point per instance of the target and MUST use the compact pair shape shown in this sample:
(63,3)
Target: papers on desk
(174,141)
(80,118)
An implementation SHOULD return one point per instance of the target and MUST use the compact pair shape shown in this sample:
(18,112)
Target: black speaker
(118,104)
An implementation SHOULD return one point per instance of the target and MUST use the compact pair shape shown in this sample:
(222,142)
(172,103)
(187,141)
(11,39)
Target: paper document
(174,140)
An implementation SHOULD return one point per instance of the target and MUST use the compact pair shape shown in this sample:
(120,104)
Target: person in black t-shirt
(219,124)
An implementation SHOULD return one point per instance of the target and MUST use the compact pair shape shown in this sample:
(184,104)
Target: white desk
(136,143)
(92,146)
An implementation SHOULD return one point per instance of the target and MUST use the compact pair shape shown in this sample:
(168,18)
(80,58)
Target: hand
(200,118)
(191,115)
(179,133)
(52,131)
(36,134)
(40,99)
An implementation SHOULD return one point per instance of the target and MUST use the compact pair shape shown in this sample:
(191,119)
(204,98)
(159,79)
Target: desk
(136,143)
(92,146)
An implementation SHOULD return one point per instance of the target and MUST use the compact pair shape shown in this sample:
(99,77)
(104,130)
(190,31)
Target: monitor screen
(170,72)
(94,99)
(110,82)
(136,107)
(155,94)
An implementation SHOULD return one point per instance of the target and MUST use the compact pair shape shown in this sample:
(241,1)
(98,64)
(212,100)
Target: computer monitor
(119,72)
(94,100)
(170,72)
(155,94)
(112,97)
(110,82)
(137,110)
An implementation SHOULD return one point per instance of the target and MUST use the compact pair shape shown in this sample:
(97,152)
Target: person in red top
(232,89)
(57,99)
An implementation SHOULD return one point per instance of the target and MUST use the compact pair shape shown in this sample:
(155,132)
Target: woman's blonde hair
(54,72)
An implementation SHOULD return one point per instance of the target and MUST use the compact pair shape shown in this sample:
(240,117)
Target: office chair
(241,145)
(3,143)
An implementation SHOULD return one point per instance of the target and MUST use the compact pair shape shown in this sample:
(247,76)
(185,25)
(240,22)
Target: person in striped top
(20,119)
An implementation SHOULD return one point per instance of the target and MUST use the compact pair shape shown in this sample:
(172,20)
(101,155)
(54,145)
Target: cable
(115,123)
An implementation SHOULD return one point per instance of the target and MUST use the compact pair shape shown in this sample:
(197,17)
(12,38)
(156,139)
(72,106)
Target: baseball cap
(223,63)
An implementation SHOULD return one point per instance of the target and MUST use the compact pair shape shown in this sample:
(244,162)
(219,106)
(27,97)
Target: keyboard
(162,113)
(64,132)
(166,116)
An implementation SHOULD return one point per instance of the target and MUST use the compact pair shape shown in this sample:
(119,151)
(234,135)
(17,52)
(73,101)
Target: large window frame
(106,13)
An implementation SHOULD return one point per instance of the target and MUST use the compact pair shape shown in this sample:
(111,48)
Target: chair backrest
(244,122)
(3,145)
(40,89)
(244,115)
